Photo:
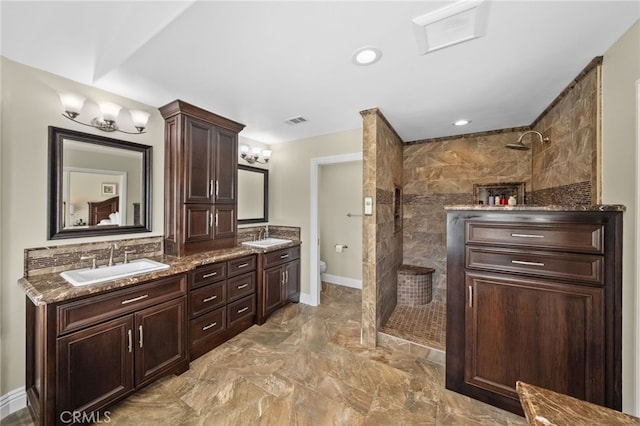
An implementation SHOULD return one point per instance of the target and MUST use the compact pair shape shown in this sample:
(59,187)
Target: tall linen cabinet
(201,174)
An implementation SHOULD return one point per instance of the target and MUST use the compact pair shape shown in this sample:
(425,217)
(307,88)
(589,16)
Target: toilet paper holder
(340,247)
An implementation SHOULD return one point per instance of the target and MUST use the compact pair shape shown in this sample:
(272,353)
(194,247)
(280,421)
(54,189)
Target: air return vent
(296,120)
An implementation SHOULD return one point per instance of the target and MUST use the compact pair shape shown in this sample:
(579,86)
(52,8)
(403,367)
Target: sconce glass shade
(266,154)
(255,152)
(72,103)
(244,149)
(72,209)
(110,111)
(139,118)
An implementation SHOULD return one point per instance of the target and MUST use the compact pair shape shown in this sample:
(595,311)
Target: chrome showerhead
(521,146)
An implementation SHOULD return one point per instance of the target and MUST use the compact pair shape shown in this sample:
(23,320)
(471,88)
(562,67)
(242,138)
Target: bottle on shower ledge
(492,199)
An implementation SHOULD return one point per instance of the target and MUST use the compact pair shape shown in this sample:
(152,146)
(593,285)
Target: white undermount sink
(86,276)
(266,243)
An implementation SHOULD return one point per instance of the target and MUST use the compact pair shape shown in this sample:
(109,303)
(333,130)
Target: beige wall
(290,182)
(621,71)
(341,193)
(30,103)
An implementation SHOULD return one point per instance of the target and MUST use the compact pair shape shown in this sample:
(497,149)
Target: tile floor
(305,366)
(425,325)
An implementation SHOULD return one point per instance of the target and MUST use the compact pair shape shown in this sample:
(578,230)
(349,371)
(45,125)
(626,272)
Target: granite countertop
(550,208)
(543,407)
(52,288)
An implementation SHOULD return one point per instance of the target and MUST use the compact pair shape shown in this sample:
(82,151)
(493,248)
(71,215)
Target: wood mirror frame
(265,194)
(56,210)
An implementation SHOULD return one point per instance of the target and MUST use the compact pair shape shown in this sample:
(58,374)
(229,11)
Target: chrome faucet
(266,232)
(111,247)
(260,235)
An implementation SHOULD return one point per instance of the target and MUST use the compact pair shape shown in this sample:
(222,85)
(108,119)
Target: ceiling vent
(296,120)
(459,22)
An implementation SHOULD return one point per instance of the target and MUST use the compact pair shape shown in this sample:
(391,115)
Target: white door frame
(314,285)
(637,249)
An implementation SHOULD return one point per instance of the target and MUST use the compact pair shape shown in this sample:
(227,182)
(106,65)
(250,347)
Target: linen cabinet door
(160,339)
(199,142)
(199,222)
(225,167)
(95,366)
(541,332)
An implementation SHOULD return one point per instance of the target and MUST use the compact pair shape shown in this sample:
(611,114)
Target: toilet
(321,270)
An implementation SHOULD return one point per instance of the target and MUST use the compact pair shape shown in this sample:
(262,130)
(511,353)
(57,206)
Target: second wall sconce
(252,155)
(73,105)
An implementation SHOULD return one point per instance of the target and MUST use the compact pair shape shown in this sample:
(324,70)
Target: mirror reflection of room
(101,185)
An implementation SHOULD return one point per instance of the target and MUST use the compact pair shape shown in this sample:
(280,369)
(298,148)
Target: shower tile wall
(442,172)
(565,170)
(382,246)
(437,174)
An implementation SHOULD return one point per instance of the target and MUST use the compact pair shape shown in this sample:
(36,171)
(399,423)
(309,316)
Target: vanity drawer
(579,237)
(241,265)
(208,326)
(241,309)
(241,285)
(207,298)
(585,268)
(281,256)
(81,313)
(208,274)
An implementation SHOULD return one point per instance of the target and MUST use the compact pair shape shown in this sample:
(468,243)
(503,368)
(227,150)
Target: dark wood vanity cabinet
(200,179)
(280,281)
(534,296)
(222,302)
(86,354)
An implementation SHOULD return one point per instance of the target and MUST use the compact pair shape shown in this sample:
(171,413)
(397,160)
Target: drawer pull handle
(243,265)
(206,327)
(528,235)
(284,256)
(212,274)
(135,299)
(524,262)
(140,329)
(130,340)
(240,287)
(245,309)
(209,299)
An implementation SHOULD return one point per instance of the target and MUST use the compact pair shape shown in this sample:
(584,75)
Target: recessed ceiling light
(461,122)
(366,55)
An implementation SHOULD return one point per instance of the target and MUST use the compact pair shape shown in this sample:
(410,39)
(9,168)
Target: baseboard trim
(306,299)
(344,281)
(13,401)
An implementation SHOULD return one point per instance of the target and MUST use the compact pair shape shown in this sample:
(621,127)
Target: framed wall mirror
(253,194)
(97,185)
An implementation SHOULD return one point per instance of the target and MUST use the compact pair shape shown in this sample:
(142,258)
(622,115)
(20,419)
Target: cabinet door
(95,366)
(199,143)
(540,332)
(225,167)
(198,222)
(224,221)
(160,339)
(273,280)
(292,280)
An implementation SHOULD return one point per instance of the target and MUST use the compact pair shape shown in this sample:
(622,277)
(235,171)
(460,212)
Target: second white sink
(86,276)
(266,243)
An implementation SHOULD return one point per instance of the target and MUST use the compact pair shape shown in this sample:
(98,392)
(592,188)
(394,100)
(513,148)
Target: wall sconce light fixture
(73,105)
(252,155)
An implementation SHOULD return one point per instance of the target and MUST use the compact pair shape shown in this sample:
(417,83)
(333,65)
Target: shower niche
(483,191)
